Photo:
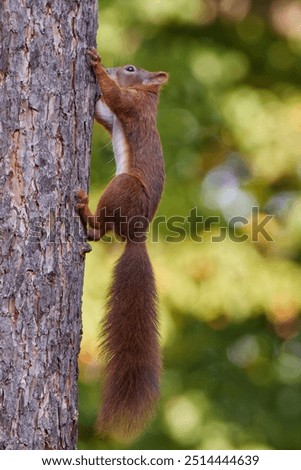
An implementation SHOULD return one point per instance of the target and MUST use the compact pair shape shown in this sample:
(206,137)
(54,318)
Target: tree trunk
(46,112)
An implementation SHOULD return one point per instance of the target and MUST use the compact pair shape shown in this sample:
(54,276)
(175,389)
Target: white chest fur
(120,147)
(103,114)
(106,117)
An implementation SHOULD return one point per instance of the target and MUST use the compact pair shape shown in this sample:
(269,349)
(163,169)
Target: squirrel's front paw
(94,56)
(82,199)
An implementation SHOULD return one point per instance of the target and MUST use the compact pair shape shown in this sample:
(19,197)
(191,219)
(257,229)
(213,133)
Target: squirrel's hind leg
(93,235)
(93,226)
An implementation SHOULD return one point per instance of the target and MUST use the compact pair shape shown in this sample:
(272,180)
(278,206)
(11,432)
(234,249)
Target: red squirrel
(127,108)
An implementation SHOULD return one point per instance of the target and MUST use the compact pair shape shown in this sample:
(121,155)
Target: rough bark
(46,112)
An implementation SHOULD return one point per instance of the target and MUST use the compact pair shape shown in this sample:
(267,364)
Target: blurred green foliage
(230,122)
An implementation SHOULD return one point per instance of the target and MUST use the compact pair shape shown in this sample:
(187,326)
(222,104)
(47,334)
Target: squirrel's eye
(130,68)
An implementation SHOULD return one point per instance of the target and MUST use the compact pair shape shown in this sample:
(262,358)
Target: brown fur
(133,361)
(130,333)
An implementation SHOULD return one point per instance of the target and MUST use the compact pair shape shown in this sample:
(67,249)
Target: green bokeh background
(230,123)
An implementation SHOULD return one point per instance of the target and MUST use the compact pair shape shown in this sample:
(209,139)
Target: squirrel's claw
(94,56)
(81,199)
(81,195)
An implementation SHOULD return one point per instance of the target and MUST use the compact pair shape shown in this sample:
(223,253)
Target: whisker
(106,145)
(111,159)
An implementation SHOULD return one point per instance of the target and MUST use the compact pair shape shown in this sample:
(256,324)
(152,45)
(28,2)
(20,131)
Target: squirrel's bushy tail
(131,347)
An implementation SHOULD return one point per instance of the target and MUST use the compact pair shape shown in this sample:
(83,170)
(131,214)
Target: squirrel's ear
(157,78)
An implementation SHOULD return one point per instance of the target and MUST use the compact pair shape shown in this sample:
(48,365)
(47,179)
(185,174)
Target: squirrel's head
(131,76)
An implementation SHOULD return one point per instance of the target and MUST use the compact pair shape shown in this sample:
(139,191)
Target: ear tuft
(162,77)
(157,78)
